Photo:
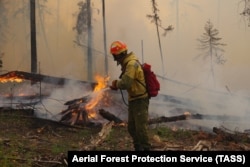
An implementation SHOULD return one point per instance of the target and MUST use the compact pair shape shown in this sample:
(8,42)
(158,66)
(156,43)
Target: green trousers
(138,123)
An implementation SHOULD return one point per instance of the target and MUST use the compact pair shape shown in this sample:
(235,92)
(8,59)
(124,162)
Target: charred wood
(77,101)
(75,113)
(167,119)
(216,117)
(40,78)
(77,116)
(111,117)
(107,115)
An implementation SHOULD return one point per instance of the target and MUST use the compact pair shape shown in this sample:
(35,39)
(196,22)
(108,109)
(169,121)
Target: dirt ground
(29,141)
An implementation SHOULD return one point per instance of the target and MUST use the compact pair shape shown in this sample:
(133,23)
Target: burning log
(74,116)
(77,101)
(20,75)
(81,109)
(75,113)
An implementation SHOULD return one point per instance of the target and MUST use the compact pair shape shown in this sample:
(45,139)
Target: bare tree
(157,21)
(210,44)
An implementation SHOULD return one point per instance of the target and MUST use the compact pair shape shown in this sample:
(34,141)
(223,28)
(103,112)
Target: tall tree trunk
(158,34)
(90,63)
(33,36)
(104,37)
(211,64)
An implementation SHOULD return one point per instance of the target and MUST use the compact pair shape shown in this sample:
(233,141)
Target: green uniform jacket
(133,72)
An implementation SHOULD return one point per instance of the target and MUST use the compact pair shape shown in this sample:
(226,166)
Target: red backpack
(152,83)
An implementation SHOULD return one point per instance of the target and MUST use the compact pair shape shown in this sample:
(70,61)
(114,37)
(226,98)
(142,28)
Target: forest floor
(29,141)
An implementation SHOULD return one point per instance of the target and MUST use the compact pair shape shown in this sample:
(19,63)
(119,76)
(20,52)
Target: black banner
(159,158)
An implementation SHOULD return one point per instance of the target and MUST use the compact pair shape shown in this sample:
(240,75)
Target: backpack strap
(123,71)
(143,74)
(141,82)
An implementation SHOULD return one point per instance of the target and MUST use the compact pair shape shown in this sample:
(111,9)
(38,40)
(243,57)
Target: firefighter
(138,100)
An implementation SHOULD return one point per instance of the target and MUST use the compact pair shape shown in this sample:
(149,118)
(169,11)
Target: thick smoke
(217,108)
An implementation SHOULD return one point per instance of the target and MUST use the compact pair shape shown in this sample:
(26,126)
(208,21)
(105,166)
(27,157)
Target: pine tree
(210,44)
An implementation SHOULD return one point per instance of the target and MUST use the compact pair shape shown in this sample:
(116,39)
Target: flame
(187,113)
(11,79)
(92,114)
(80,111)
(102,83)
(97,95)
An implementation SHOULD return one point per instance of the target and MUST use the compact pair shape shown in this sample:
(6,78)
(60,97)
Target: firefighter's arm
(125,82)
(113,85)
(128,77)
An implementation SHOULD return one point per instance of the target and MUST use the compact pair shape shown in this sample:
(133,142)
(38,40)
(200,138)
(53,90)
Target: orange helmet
(117,47)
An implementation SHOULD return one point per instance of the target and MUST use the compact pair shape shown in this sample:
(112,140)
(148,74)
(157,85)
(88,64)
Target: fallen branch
(106,129)
(107,115)
(167,119)
(204,145)
(77,101)
(216,117)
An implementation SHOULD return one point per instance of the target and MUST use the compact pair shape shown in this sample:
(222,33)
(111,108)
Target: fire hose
(121,94)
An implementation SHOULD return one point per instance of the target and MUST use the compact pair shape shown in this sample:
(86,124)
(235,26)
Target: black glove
(113,86)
